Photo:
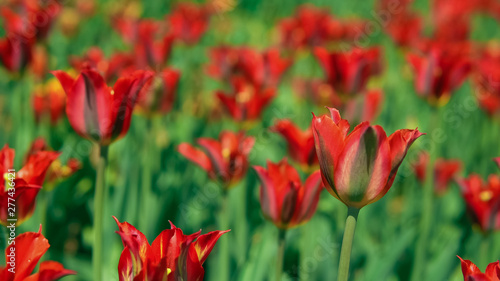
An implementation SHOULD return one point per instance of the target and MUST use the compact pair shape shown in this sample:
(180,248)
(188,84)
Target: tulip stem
(345,252)
(100,192)
(146,189)
(224,257)
(281,254)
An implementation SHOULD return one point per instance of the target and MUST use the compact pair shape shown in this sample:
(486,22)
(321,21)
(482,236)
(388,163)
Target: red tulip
(246,102)
(225,159)
(15,54)
(49,100)
(117,65)
(405,29)
(321,93)
(358,168)
(261,69)
(472,273)
(160,96)
(188,22)
(284,199)
(444,171)
(152,47)
(487,78)
(440,71)
(300,143)
(172,255)
(57,170)
(96,111)
(310,26)
(349,72)
(29,248)
(26,183)
(483,200)
(364,107)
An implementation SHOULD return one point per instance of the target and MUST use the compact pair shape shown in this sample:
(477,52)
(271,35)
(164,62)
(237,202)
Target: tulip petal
(400,141)
(268,197)
(195,155)
(29,248)
(309,201)
(136,242)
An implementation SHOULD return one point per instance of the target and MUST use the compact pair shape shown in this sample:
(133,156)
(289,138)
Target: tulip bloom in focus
(96,111)
(472,273)
(28,182)
(483,200)
(284,199)
(440,71)
(348,72)
(444,171)
(172,255)
(300,143)
(225,159)
(358,168)
(29,248)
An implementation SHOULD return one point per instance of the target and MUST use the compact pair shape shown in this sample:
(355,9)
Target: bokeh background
(181,192)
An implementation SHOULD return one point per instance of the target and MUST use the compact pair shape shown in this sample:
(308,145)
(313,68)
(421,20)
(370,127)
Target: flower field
(250,140)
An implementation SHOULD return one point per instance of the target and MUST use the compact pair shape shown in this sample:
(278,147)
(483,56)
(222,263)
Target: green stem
(99,197)
(146,188)
(224,243)
(345,252)
(485,250)
(281,254)
(427,209)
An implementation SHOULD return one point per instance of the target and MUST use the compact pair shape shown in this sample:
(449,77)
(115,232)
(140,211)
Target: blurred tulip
(57,171)
(348,72)
(27,182)
(172,255)
(49,100)
(96,111)
(29,248)
(284,200)
(15,54)
(472,273)
(321,93)
(487,78)
(444,171)
(111,69)
(261,69)
(405,29)
(483,200)
(358,168)
(225,159)
(152,48)
(439,71)
(300,143)
(246,102)
(39,62)
(364,107)
(309,27)
(159,97)
(189,21)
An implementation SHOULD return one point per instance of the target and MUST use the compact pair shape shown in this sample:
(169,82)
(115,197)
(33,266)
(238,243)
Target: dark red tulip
(224,62)
(225,159)
(188,22)
(358,168)
(247,101)
(487,78)
(29,249)
(483,200)
(49,100)
(284,200)
(349,72)
(472,273)
(439,71)
(172,255)
(300,143)
(159,97)
(96,111)
(444,171)
(15,54)
(27,183)
(405,29)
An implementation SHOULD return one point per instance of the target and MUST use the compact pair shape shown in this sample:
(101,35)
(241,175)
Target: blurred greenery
(387,230)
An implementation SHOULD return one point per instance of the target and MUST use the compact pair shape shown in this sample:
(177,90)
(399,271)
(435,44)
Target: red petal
(195,155)
(30,247)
